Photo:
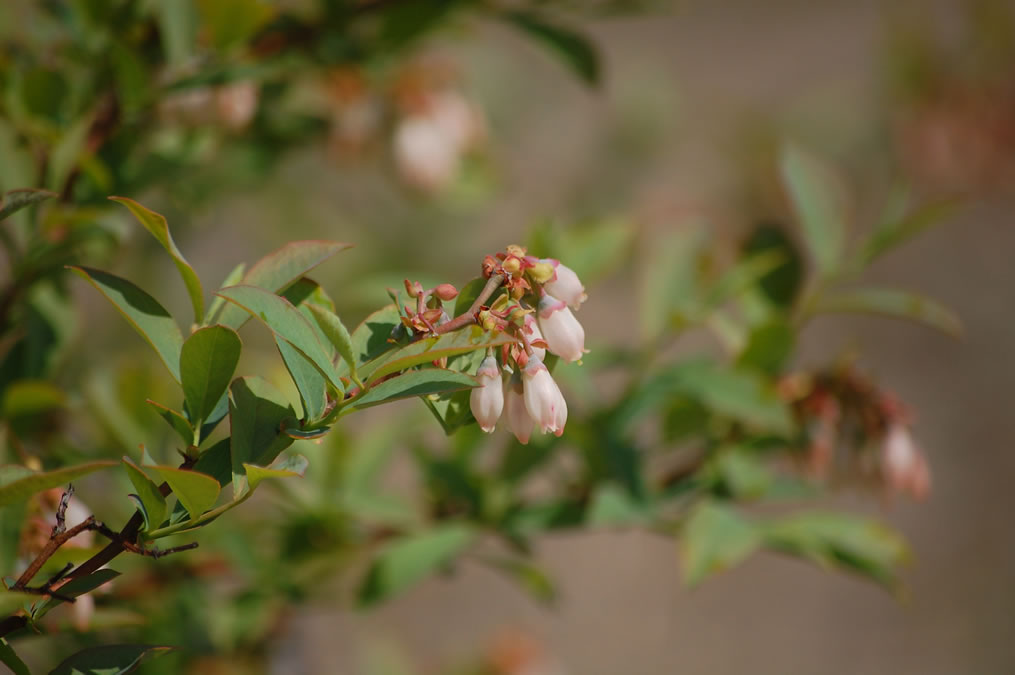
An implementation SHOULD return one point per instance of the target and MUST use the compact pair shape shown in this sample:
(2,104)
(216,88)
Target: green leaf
(229,23)
(218,301)
(576,50)
(155,508)
(715,539)
(296,465)
(743,474)
(839,540)
(411,559)
(613,507)
(371,337)
(415,383)
(276,271)
(257,413)
(287,323)
(109,659)
(312,386)
(893,303)
(143,312)
(818,199)
(782,284)
(15,200)
(12,601)
(337,334)
(29,398)
(74,588)
(10,659)
(769,345)
(197,492)
(177,22)
(467,339)
(671,289)
(897,231)
(527,575)
(23,487)
(176,420)
(207,362)
(157,225)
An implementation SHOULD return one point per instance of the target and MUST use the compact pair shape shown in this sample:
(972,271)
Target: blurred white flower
(426,156)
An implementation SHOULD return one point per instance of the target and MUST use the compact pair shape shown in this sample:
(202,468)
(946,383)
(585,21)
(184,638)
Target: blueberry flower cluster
(536,308)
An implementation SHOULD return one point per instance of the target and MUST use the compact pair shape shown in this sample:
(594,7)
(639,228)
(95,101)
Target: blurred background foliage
(429,134)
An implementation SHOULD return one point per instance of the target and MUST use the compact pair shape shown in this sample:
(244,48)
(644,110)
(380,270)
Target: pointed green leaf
(12,660)
(287,323)
(157,225)
(614,507)
(371,337)
(15,200)
(218,301)
(143,312)
(197,492)
(310,383)
(818,199)
(207,362)
(296,465)
(12,601)
(176,420)
(154,503)
(25,486)
(897,231)
(411,559)
(415,383)
(576,50)
(257,417)
(467,339)
(337,334)
(109,659)
(894,303)
(715,539)
(840,540)
(73,589)
(276,271)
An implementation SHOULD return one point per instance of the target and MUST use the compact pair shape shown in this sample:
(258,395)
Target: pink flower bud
(533,334)
(905,468)
(563,334)
(518,418)
(487,400)
(446,292)
(424,155)
(565,284)
(543,399)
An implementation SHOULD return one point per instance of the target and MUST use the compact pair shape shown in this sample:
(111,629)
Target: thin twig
(469,316)
(61,510)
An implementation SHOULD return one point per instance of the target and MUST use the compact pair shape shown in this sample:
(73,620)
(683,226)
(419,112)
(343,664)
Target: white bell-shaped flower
(565,284)
(518,419)
(563,334)
(487,400)
(543,400)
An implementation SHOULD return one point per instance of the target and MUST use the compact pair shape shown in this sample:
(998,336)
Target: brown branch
(469,316)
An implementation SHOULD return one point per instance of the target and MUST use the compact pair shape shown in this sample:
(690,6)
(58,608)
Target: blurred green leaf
(818,199)
(68,152)
(24,486)
(716,538)
(839,540)
(10,659)
(897,231)
(159,228)
(576,50)
(15,200)
(177,23)
(769,346)
(528,575)
(613,507)
(670,286)
(286,322)
(782,284)
(73,589)
(143,312)
(410,559)
(109,659)
(276,271)
(742,473)
(257,412)
(29,398)
(207,362)
(414,383)
(231,22)
(155,508)
(893,303)
(197,492)
(12,601)
(461,341)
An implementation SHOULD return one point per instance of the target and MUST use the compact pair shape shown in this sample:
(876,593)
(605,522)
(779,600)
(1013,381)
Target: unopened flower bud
(518,418)
(541,271)
(512,265)
(564,336)
(543,399)
(410,288)
(446,292)
(565,284)
(904,466)
(487,400)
